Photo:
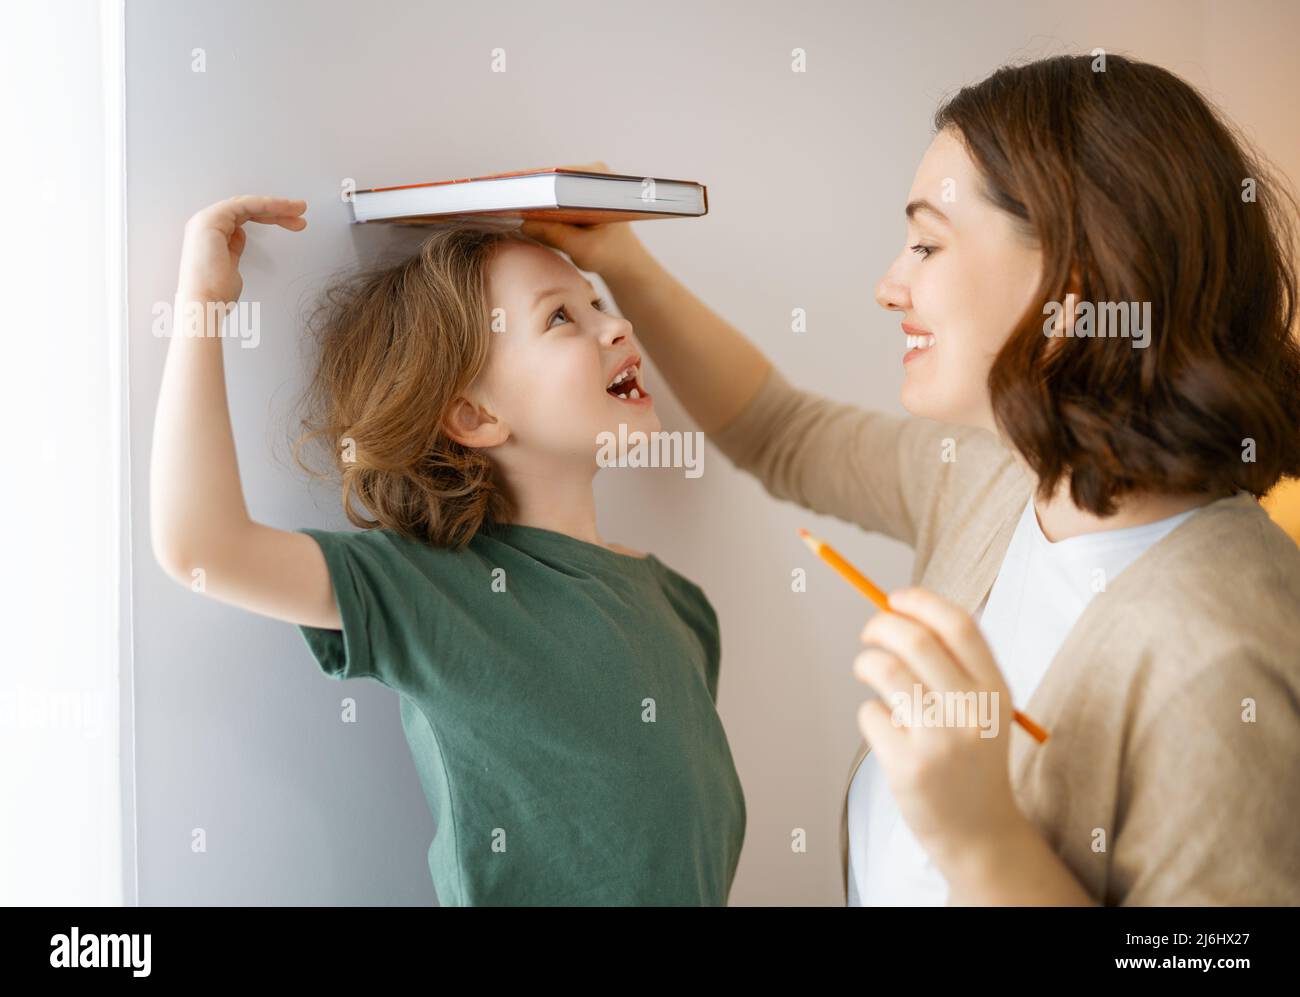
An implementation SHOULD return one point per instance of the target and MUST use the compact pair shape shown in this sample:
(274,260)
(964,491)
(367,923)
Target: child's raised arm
(200,529)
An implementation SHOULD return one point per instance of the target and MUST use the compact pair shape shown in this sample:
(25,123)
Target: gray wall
(235,731)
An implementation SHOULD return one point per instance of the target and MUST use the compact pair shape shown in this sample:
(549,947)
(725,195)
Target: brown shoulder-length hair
(395,344)
(1138,191)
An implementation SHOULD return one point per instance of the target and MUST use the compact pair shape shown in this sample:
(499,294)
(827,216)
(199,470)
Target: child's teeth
(635,393)
(624,397)
(630,372)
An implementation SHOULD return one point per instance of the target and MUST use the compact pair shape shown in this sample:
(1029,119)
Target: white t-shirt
(1040,591)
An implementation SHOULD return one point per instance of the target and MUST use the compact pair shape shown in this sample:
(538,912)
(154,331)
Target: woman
(1089,545)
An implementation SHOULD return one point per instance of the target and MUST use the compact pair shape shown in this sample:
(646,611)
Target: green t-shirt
(559,703)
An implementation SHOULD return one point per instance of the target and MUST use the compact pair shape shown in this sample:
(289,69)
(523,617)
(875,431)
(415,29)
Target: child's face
(554,350)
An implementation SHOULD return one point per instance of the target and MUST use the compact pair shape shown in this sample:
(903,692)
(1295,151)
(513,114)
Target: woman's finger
(896,684)
(917,645)
(955,628)
(876,722)
(563,236)
(551,233)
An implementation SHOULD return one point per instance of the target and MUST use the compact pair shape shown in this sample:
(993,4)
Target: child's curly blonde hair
(396,345)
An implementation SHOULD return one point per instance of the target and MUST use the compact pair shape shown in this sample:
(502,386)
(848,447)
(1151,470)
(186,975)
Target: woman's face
(963,278)
(554,350)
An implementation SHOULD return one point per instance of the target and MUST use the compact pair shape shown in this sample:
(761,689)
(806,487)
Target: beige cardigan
(1153,787)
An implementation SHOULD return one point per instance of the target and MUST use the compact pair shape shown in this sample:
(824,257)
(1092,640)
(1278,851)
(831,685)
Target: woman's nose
(892,293)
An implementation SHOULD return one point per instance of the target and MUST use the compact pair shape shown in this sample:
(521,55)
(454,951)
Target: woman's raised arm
(860,465)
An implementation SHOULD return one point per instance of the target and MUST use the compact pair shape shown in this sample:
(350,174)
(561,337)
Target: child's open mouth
(626,385)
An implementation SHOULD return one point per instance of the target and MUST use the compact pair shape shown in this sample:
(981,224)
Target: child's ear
(472,425)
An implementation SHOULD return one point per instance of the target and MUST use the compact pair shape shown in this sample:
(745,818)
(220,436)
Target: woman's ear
(1073,292)
(1076,283)
(1063,321)
(472,425)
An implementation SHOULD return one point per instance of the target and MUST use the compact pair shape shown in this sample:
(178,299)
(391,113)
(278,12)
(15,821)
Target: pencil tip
(804,533)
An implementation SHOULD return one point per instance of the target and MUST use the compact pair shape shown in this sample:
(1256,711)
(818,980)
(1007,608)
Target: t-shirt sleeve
(361,574)
(694,608)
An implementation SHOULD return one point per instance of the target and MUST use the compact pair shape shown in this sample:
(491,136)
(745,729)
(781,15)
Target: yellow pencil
(864,585)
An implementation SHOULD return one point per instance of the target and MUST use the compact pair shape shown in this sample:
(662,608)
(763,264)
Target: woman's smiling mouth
(918,341)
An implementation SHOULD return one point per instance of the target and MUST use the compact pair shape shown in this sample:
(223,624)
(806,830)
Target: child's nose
(615,330)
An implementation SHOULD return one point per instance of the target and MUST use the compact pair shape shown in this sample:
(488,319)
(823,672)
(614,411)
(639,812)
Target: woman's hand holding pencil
(951,780)
(868,588)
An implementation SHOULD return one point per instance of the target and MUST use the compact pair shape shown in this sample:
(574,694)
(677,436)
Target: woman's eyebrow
(543,295)
(914,206)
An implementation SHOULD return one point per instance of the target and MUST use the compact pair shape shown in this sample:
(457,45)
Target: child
(557,692)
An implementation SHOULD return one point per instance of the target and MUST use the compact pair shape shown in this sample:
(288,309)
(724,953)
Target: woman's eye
(923,251)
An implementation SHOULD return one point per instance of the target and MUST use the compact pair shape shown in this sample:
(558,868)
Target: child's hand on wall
(214,241)
(604,249)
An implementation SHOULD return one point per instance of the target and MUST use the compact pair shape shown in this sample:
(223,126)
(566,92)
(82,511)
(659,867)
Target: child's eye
(923,251)
(599,304)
